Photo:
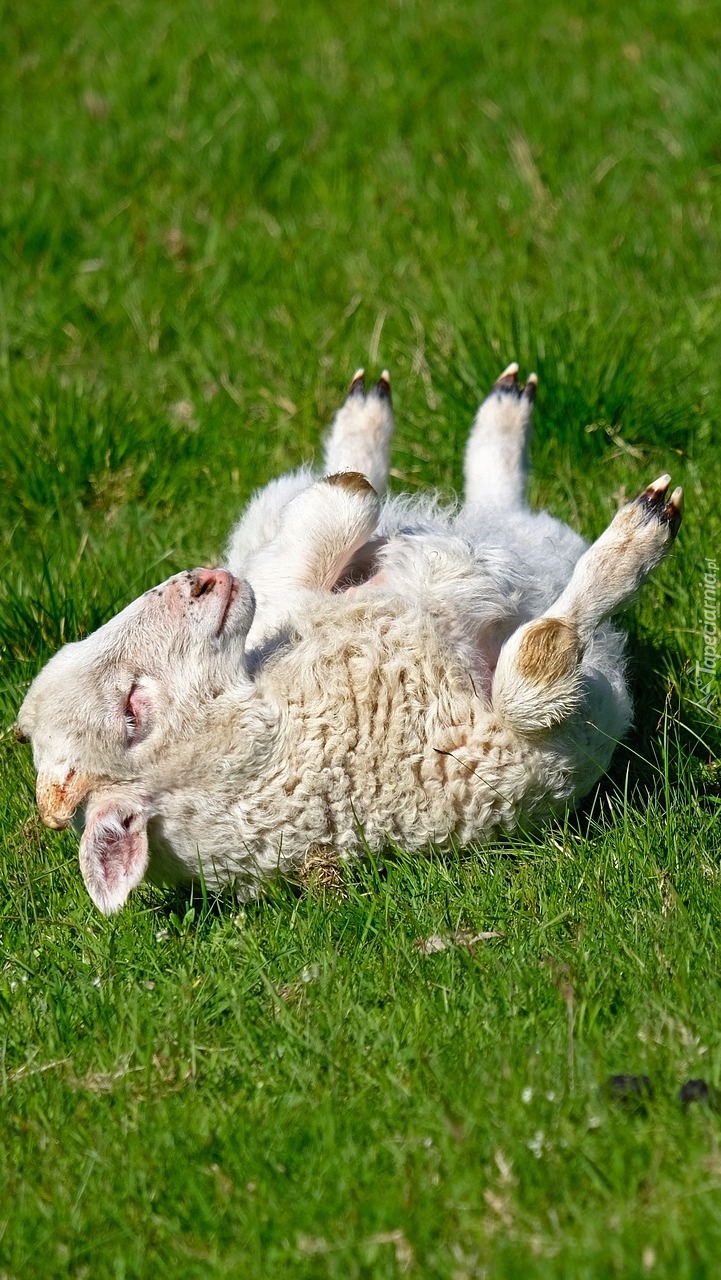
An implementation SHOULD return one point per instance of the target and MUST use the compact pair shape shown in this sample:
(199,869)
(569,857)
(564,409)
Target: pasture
(210,215)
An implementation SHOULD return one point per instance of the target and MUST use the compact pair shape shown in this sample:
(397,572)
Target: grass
(209,216)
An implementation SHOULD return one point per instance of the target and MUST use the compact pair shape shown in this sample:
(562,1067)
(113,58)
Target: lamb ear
(113,854)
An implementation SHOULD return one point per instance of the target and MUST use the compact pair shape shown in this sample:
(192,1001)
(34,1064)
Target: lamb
(364,669)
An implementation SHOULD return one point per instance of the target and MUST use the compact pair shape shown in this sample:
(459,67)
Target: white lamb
(363,670)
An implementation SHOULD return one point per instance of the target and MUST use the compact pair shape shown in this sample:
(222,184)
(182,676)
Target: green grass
(210,214)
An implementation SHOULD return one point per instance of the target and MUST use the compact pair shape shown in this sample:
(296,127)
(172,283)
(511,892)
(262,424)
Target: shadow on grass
(672,748)
(668,723)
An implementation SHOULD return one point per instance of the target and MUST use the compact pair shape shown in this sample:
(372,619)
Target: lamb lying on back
(362,670)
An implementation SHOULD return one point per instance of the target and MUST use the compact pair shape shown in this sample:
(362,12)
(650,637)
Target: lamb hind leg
(609,574)
(496,462)
(538,680)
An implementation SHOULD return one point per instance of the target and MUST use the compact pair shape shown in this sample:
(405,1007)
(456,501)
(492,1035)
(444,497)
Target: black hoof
(655,507)
(508,380)
(358,385)
(508,384)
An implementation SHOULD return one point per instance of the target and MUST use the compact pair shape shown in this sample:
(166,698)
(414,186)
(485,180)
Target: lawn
(210,215)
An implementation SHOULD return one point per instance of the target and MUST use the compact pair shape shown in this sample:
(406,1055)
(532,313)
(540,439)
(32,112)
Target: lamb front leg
(320,530)
(538,680)
(260,521)
(358,440)
(360,434)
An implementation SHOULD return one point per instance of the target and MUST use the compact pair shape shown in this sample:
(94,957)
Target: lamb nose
(202,581)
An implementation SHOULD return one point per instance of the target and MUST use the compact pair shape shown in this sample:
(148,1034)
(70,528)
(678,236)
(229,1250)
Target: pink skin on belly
(378,580)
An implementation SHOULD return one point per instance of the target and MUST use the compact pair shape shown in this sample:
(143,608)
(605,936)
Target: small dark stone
(697,1091)
(631,1091)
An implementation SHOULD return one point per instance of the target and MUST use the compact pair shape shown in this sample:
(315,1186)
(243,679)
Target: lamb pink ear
(113,854)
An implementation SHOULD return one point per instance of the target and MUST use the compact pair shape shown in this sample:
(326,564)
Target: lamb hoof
(653,505)
(508,383)
(358,385)
(382,389)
